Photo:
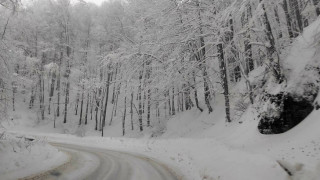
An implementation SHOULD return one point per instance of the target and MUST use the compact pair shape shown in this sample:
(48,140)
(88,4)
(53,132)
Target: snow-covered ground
(233,151)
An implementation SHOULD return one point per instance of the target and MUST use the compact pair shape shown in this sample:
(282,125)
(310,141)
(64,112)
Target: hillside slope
(204,146)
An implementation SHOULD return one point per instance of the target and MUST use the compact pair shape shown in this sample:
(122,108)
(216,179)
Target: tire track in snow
(93,163)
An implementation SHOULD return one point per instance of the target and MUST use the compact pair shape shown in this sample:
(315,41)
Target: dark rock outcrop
(293,104)
(292,110)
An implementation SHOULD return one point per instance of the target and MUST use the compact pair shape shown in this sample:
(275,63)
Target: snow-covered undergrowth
(21,156)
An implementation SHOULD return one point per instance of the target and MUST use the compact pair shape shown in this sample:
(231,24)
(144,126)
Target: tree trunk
(195,93)
(31,98)
(66,102)
(131,110)
(13,95)
(43,108)
(81,106)
(140,100)
(86,116)
(97,108)
(54,118)
(101,109)
(114,78)
(124,112)
(149,107)
(67,73)
(278,21)
(172,104)
(144,99)
(66,97)
(40,94)
(202,61)
(117,98)
(53,81)
(165,105)
(288,18)
(315,3)
(91,105)
(294,5)
(41,86)
(169,103)
(59,84)
(249,65)
(248,55)
(106,103)
(148,86)
(275,66)
(178,101)
(223,74)
(77,102)
(182,100)
(112,114)
(5,28)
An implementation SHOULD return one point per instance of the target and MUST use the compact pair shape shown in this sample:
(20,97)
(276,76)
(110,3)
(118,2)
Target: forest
(160,89)
(140,62)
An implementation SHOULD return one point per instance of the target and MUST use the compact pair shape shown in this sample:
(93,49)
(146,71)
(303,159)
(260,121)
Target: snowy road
(95,164)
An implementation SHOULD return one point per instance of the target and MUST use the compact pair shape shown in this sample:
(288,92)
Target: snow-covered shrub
(240,107)
(16,144)
(158,130)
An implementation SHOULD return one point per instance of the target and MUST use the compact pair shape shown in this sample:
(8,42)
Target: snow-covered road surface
(95,164)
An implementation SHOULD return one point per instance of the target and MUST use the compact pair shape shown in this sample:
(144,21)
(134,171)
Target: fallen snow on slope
(302,52)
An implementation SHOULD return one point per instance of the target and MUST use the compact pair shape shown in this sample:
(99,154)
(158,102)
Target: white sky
(97,2)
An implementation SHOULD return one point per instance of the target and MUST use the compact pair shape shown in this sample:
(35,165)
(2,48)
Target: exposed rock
(292,110)
(289,106)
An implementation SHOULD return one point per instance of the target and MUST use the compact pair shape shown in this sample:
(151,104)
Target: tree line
(142,61)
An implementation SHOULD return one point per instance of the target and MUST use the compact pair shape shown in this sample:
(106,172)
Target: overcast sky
(98,2)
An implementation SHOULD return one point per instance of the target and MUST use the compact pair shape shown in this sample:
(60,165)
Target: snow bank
(22,156)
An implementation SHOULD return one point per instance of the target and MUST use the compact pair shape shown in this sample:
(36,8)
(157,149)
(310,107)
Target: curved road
(99,164)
